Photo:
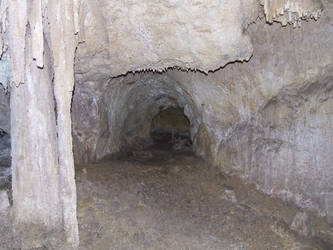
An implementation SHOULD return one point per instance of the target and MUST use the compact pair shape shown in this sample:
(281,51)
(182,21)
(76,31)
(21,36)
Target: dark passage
(171,126)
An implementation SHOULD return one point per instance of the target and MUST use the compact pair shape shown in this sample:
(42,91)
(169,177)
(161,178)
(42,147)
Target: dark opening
(171,126)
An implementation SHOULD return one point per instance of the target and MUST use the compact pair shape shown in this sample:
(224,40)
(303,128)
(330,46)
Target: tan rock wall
(277,115)
(265,120)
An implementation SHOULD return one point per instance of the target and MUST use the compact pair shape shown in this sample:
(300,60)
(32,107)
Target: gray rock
(5,173)
(5,150)
(302,224)
(230,194)
(4,202)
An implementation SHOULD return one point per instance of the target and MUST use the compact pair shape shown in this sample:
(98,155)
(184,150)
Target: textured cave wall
(283,139)
(120,37)
(250,119)
(270,120)
(5,72)
(4,110)
(124,36)
(122,114)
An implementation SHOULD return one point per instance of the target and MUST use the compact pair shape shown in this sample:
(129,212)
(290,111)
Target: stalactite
(292,11)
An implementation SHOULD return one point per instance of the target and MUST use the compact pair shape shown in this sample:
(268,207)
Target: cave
(166,124)
(170,126)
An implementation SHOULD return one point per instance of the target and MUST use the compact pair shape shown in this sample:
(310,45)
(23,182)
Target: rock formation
(258,94)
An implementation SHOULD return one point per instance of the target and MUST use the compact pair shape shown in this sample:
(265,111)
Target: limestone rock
(120,37)
(267,120)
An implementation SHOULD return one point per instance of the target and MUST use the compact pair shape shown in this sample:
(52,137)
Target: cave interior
(166,124)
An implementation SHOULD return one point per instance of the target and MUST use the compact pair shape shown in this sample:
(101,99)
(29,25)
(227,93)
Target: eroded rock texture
(122,113)
(4,110)
(118,37)
(41,44)
(283,135)
(268,120)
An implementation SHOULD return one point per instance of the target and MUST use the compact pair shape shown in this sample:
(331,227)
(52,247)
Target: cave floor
(164,199)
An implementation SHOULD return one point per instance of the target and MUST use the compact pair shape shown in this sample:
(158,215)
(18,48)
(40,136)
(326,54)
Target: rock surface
(120,37)
(4,110)
(268,121)
(108,117)
(4,202)
(302,224)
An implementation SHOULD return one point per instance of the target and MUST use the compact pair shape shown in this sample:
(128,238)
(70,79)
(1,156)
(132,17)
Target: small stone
(230,195)
(4,202)
(301,224)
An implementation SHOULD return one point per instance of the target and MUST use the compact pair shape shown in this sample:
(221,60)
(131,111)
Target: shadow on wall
(5,162)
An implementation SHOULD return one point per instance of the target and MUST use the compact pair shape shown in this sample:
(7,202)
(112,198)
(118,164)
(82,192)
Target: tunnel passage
(147,191)
(132,111)
(171,126)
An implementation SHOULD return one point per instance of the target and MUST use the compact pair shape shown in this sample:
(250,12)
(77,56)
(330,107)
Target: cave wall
(269,120)
(120,37)
(4,110)
(119,113)
(284,145)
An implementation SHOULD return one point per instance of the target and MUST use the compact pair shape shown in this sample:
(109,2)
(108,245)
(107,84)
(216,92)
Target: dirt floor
(162,198)
(159,198)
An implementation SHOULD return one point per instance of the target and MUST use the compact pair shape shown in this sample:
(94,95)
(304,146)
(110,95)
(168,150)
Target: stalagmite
(35,181)
(257,96)
(63,45)
(42,159)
